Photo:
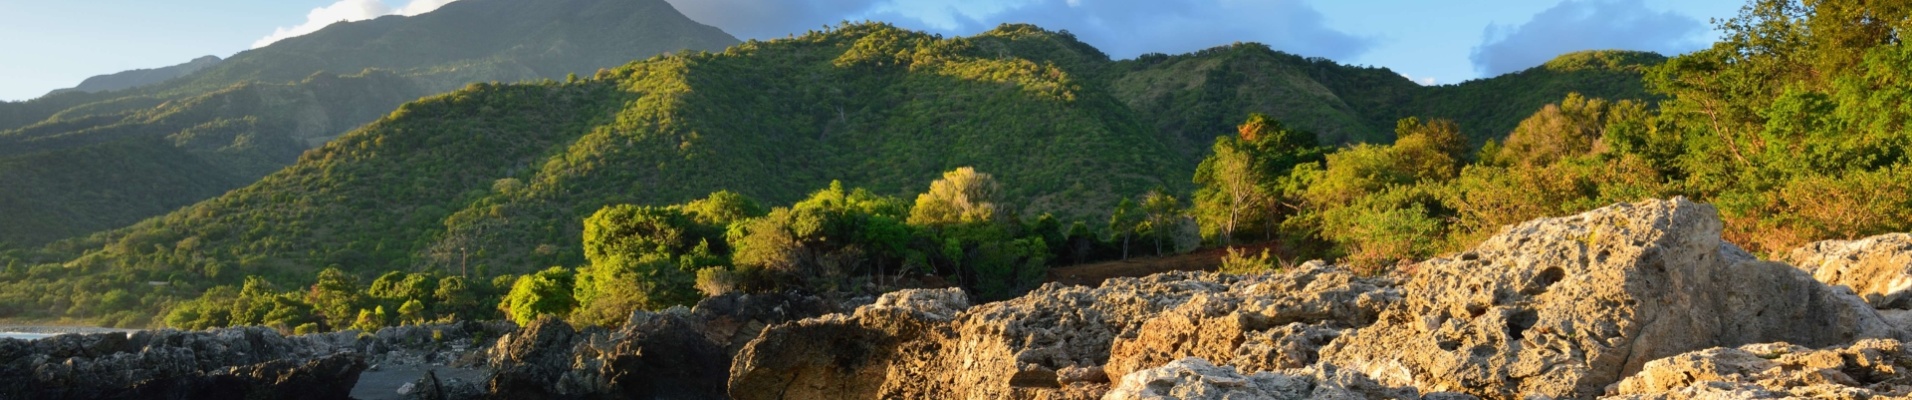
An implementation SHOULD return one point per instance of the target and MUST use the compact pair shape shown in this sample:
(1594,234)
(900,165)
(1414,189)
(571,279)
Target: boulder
(1269,322)
(1563,307)
(1197,379)
(125,365)
(910,345)
(676,354)
(1871,368)
(1878,268)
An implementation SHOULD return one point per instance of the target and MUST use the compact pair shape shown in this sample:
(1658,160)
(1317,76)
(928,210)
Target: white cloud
(1424,81)
(1576,25)
(347,11)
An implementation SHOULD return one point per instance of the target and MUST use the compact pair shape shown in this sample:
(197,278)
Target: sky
(56,44)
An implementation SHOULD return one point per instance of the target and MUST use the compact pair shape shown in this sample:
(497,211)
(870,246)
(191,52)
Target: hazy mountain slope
(254,113)
(1195,97)
(141,77)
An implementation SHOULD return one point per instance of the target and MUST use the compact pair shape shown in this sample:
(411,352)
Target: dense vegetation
(1794,125)
(495,184)
(228,124)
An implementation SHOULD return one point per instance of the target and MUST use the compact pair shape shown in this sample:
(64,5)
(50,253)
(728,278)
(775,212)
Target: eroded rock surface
(1563,307)
(1051,343)
(1260,323)
(1869,369)
(675,354)
(222,363)
(1878,268)
(1197,379)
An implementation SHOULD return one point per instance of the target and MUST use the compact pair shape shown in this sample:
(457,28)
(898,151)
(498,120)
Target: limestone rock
(161,363)
(1195,378)
(675,354)
(1563,307)
(908,345)
(1871,368)
(1878,268)
(1265,323)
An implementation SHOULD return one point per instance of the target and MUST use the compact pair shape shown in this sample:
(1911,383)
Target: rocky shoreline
(1631,301)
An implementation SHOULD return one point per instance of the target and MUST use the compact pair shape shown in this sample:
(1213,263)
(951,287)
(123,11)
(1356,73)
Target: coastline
(33,332)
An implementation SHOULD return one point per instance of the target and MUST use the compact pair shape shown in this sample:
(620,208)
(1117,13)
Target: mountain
(229,124)
(140,77)
(1194,97)
(499,177)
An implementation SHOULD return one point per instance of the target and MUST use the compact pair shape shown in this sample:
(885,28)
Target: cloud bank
(346,11)
(1576,25)
(1122,28)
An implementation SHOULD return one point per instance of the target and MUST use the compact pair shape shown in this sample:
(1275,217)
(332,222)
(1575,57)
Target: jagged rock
(675,354)
(1268,323)
(165,362)
(1563,307)
(1871,368)
(732,320)
(1878,268)
(908,345)
(1196,378)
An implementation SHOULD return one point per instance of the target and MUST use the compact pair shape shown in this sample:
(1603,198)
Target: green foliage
(502,177)
(1238,262)
(547,292)
(80,163)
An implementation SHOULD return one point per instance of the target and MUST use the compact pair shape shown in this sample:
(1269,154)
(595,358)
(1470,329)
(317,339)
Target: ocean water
(19,335)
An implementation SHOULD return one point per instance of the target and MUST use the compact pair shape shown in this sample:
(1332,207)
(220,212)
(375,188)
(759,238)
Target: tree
(1230,189)
(1163,218)
(1125,221)
(336,296)
(547,292)
(962,195)
(412,312)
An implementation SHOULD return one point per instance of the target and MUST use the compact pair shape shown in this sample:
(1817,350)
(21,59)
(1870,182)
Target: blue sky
(55,44)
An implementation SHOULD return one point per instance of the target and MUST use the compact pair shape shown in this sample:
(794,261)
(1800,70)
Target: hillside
(140,77)
(1192,98)
(238,120)
(499,178)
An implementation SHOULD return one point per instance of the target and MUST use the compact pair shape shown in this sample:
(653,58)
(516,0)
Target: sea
(23,335)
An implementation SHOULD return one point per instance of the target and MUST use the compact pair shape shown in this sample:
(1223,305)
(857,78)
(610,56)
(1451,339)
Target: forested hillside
(235,121)
(497,180)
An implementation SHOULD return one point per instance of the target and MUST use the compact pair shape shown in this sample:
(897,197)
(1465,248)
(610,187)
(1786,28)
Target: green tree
(336,296)
(1125,222)
(962,195)
(1230,189)
(1163,219)
(547,292)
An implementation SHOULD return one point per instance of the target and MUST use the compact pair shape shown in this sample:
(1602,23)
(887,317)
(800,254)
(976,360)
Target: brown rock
(1197,379)
(1265,323)
(911,345)
(1564,307)
(1871,368)
(1878,268)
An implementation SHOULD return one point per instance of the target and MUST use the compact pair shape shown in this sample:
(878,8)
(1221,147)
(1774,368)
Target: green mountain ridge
(257,111)
(500,177)
(140,77)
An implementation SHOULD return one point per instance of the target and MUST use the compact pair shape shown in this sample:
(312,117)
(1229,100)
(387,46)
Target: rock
(113,365)
(1196,378)
(1563,307)
(1270,323)
(1871,368)
(325,378)
(909,344)
(1878,268)
(681,353)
